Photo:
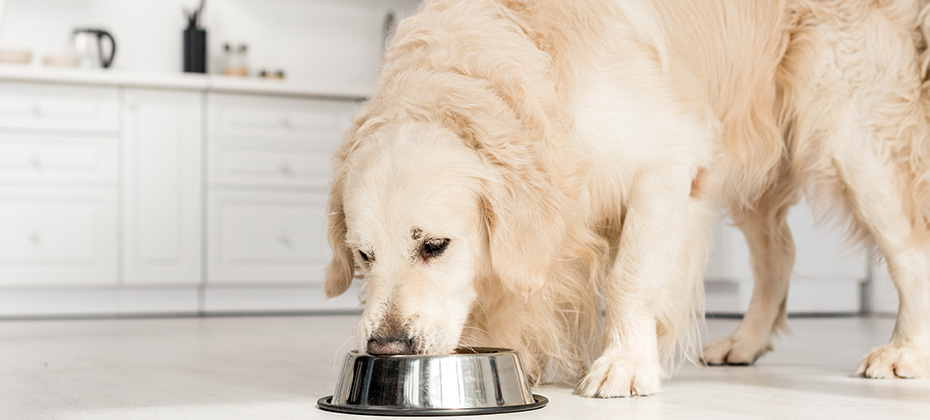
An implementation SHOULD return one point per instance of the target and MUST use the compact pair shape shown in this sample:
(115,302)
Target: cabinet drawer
(57,237)
(57,107)
(240,163)
(238,116)
(266,238)
(57,159)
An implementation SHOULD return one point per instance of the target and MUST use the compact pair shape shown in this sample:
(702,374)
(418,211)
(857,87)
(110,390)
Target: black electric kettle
(89,43)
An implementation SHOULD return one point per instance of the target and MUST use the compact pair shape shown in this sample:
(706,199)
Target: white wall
(336,40)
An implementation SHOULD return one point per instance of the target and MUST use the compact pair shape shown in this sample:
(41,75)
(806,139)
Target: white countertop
(181,81)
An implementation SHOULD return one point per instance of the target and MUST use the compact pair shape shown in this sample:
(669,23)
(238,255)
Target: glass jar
(236,59)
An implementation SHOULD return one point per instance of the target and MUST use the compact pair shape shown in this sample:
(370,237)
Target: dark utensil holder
(195,50)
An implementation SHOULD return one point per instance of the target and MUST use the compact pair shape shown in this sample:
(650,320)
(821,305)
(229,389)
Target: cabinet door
(59,159)
(162,187)
(47,107)
(233,117)
(58,237)
(271,164)
(262,141)
(266,238)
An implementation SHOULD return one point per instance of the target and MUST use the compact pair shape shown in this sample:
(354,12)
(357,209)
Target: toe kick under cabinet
(124,199)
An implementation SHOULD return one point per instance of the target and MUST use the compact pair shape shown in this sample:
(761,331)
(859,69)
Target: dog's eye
(434,247)
(365,257)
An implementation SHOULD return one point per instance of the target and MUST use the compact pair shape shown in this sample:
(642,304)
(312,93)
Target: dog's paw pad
(734,351)
(895,361)
(611,377)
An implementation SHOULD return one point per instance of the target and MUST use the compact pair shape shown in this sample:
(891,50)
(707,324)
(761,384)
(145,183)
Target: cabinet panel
(162,187)
(30,158)
(280,165)
(266,238)
(239,116)
(825,278)
(57,107)
(52,237)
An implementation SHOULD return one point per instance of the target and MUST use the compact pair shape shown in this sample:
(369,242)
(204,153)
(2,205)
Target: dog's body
(521,160)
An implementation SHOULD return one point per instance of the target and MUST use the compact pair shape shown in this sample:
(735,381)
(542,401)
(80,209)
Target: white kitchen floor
(277,367)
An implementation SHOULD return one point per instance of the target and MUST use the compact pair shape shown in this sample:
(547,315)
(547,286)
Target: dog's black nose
(391,345)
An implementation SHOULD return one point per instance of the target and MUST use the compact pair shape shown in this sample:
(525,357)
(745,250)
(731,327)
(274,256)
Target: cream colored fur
(575,153)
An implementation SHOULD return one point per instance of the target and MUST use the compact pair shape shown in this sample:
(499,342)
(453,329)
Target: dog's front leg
(637,289)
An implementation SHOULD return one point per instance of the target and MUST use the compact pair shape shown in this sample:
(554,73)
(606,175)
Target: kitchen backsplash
(331,40)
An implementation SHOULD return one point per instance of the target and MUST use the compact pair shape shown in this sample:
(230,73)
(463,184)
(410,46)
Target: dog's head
(421,212)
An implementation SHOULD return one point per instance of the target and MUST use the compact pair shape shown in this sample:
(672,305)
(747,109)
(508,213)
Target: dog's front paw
(734,350)
(895,361)
(618,376)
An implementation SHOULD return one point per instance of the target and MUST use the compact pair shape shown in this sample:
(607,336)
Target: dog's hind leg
(908,353)
(877,194)
(772,258)
(856,127)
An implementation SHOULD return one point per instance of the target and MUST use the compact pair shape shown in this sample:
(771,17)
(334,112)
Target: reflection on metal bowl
(472,381)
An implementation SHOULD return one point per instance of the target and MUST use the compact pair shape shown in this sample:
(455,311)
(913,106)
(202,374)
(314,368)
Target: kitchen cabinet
(52,107)
(273,142)
(58,186)
(63,237)
(162,187)
(276,118)
(268,178)
(59,159)
(138,196)
(266,238)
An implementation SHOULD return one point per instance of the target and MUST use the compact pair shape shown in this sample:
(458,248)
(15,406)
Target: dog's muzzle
(394,344)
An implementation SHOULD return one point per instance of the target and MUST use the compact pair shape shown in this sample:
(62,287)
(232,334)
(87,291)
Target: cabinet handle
(285,240)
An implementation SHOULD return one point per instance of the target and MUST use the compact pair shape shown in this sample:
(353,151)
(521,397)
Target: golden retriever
(521,163)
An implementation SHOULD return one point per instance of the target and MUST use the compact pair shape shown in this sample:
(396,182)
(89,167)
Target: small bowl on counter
(15,56)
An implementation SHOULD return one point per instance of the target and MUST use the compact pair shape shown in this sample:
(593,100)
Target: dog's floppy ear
(521,206)
(341,268)
(525,231)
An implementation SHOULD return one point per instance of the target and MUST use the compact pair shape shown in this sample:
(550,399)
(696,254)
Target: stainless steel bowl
(473,381)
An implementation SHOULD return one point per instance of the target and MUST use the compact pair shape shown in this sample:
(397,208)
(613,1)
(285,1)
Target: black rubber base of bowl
(325,404)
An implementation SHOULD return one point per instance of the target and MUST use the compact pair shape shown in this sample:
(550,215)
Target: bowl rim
(458,352)
(326,404)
